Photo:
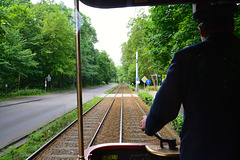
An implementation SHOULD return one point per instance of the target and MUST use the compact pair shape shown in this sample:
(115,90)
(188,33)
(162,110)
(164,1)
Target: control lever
(171,142)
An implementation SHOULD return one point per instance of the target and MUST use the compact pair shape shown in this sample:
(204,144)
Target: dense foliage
(146,97)
(39,39)
(177,123)
(156,37)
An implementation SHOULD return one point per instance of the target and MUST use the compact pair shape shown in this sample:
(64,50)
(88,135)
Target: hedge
(146,97)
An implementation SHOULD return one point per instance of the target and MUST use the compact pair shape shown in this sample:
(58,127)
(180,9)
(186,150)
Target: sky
(110,26)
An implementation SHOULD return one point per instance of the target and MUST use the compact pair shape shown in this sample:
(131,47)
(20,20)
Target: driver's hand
(143,123)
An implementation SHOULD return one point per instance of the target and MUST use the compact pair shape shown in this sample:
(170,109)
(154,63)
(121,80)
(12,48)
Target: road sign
(148,81)
(164,76)
(137,81)
(144,79)
(49,78)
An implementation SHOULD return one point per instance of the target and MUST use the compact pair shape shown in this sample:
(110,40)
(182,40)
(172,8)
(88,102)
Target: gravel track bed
(164,132)
(67,144)
(126,90)
(110,130)
(132,116)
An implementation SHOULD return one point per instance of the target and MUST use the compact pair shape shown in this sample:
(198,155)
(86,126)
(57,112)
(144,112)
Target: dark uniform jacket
(205,78)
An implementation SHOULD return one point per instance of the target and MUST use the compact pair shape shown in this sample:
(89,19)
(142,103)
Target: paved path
(22,116)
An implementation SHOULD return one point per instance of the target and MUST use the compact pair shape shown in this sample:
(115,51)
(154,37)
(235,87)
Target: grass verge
(44,134)
(110,90)
(21,93)
(130,87)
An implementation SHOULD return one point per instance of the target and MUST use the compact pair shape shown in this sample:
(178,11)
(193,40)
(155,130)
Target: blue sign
(138,79)
(148,81)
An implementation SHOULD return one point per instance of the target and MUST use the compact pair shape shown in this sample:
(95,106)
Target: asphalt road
(22,116)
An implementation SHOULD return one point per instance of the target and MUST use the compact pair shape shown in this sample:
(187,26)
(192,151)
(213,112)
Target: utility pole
(136,71)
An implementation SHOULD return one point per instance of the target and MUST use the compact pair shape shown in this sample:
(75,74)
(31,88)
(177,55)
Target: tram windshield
(53,52)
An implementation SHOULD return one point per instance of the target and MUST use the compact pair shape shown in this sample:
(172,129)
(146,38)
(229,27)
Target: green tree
(53,44)
(172,29)
(106,67)
(7,3)
(37,40)
(157,37)
(23,21)
(88,53)
(57,55)
(15,61)
(136,43)
(119,74)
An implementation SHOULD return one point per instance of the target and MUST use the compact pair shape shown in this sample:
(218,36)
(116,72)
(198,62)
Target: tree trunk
(153,80)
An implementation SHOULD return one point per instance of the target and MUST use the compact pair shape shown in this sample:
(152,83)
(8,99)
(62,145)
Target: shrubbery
(177,123)
(103,83)
(146,97)
(131,87)
(27,92)
(22,92)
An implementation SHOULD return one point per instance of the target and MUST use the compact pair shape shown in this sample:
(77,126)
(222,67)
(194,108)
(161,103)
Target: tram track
(133,113)
(103,121)
(65,144)
(113,120)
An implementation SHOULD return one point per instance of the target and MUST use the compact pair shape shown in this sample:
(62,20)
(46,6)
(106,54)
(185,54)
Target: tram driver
(205,78)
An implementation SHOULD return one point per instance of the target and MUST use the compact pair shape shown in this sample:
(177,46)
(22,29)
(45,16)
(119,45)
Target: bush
(27,92)
(146,97)
(103,83)
(177,123)
(131,87)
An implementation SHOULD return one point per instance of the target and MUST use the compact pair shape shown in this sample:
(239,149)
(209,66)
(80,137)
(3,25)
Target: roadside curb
(16,103)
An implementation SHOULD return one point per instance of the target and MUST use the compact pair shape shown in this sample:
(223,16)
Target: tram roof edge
(129,3)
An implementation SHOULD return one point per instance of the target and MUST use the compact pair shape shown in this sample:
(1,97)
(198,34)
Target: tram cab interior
(169,150)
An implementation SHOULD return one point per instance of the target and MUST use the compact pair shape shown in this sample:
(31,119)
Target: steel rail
(97,103)
(33,155)
(171,141)
(144,113)
(121,120)
(104,117)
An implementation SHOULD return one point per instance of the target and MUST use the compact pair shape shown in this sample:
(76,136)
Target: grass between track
(44,134)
